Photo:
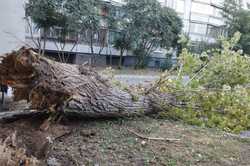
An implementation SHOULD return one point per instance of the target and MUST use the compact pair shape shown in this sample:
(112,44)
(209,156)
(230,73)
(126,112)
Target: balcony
(217,3)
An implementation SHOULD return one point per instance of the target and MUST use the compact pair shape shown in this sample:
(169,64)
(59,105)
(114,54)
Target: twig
(152,138)
(197,74)
(63,135)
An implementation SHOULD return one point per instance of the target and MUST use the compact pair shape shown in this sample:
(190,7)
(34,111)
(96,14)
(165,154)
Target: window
(214,31)
(30,26)
(203,1)
(162,2)
(104,11)
(217,12)
(56,33)
(218,3)
(157,64)
(202,8)
(198,28)
(199,17)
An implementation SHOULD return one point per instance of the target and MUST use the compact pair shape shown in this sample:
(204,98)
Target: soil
(109,142)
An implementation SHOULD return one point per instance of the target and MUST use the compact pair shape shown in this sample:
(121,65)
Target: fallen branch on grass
(19,114)
(152,138)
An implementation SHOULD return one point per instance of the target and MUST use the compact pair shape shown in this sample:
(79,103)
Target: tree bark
(73,89)
(19,114)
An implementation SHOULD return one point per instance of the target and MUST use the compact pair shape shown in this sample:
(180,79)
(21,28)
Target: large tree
(53,87)
(238,20)
(151,27)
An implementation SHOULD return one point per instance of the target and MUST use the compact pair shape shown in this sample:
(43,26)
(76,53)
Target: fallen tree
(72,89)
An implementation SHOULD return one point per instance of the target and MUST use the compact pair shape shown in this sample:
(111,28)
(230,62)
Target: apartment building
(77,45)
(12,25)
(202,22)
(202,18)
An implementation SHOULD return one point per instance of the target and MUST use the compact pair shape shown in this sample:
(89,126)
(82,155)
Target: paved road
(136,79)
(142,79)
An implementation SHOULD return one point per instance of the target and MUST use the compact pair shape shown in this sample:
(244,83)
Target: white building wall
(187,14)
(246,4)
(197,15)
(12,25)
(79,48)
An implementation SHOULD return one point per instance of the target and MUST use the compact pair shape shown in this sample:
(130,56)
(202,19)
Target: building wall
(12,25)
(83,58)
(82,46)
(198,16)
(246,4)
(202,18)
(202,22)
(79,48)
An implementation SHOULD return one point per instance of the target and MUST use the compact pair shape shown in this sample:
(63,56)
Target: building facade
(202,22)
(77,45)
(12,25)
(202,19)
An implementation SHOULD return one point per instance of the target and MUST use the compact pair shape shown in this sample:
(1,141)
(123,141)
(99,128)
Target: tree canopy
(151,26)
(238,20)
(144,25)
(43,13)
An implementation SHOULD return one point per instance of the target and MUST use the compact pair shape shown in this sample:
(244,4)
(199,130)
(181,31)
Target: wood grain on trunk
(72,89)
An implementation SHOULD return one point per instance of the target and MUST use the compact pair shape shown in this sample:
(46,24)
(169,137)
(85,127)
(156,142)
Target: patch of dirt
(27,136)
(110,143)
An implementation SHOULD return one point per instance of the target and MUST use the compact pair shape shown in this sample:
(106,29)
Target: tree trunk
(140,62)
(92,59)
(73,89)
(44,41)
(120,60)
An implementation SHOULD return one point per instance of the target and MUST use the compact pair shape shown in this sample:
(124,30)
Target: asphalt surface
(136,79)
(142,79)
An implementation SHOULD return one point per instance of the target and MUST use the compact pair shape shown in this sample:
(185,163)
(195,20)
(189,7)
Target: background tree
(89,18)
(238,20)
(151,27)
(44,15)
(65,32)
(183,42)
(122,42)
(52,16)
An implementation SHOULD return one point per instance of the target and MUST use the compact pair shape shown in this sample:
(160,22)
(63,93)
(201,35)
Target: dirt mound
(23,142)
